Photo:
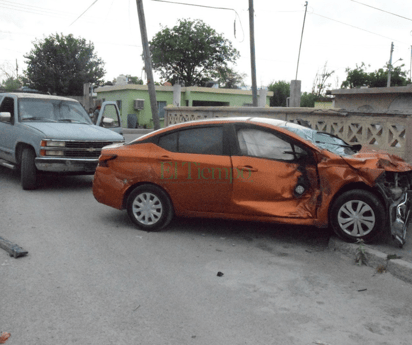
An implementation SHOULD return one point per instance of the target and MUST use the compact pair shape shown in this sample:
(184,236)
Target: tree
(358,77)
(191,53)
(308,99)
(320,82)
(12,81)
(134,80)
(62,64)
(11,84)
(228,78)
(281,91)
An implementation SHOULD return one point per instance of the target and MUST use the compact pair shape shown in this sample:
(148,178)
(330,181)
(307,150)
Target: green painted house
(134,102)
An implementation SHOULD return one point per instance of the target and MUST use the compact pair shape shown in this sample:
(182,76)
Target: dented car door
(273,176)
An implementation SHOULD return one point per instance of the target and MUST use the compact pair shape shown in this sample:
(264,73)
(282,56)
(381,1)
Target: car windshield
(323,140)
(51,110)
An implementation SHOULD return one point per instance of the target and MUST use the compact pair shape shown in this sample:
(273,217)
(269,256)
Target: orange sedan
(256,169)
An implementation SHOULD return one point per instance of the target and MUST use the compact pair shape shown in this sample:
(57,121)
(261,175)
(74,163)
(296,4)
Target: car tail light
(104,160)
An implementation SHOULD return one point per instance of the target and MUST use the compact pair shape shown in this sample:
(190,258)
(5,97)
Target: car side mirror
(108,122)
(5,117)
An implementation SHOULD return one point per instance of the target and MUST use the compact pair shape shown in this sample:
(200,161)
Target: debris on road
(12,248)
(4,336)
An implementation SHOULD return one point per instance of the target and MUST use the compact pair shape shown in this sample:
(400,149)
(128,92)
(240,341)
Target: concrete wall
(375,99)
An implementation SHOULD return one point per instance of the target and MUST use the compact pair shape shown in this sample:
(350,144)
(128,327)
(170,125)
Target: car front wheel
(149,207)
(28,169)
(358,215)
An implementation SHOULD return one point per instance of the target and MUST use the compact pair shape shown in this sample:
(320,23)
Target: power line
(28,8)
(212,7)
(379,9)
(84,12)
(182,3)
(355,27)
(38,10)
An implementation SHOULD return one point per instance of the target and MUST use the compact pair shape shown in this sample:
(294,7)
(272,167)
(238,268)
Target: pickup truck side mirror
(5,117)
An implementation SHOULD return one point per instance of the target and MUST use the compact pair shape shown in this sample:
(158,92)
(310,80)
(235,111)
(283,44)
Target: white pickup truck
(51,134)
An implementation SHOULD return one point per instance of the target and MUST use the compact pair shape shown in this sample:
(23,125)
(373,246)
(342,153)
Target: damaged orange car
(256,169)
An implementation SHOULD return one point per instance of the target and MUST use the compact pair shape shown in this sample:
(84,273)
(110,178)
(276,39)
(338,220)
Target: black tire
(358,215)
(149,208)
(28,169)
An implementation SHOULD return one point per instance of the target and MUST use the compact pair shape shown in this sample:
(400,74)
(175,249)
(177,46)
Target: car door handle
(165,158)
(247,167)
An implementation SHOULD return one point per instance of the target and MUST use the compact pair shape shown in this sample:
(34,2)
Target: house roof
(183,89)
(374,90)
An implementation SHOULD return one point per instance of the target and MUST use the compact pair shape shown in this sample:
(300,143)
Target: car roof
(239,119)
(36,96)
(216,120)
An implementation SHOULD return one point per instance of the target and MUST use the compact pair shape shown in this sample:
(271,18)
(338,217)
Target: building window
(160,107)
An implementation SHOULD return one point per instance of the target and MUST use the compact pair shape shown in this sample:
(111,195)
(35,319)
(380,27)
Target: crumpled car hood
(381,160)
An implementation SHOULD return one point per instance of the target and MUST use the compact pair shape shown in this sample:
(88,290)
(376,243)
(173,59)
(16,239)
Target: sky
(337,34)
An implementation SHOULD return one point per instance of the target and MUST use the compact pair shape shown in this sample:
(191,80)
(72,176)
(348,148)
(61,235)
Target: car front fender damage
(395,187)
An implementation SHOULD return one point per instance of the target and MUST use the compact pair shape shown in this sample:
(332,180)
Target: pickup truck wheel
(358,215)
(150,208)
(28,169)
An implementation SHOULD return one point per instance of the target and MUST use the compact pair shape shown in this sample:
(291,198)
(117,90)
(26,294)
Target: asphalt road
(91,277)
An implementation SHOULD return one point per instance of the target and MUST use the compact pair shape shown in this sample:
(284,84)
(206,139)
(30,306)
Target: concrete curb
(376,259)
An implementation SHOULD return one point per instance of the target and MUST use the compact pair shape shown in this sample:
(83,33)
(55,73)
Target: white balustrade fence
(391,132)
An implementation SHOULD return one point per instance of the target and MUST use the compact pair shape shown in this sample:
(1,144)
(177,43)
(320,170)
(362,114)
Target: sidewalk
(382,256)
(140,131)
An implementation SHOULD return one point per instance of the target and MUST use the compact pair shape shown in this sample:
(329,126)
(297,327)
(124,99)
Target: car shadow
(63,182)
(246,231)
(261,235)
(49,181)
(12,176)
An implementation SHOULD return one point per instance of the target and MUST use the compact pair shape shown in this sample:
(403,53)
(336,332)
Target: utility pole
(252,52)
(148,65)
(390,67)
(301,38)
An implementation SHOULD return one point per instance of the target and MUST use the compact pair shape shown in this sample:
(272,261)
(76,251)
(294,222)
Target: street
(91,277)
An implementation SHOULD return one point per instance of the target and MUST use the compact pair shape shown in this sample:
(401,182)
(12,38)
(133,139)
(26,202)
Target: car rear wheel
(149,207)
(358,215)
(28,169)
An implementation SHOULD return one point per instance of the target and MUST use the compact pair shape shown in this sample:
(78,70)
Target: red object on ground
(4,336)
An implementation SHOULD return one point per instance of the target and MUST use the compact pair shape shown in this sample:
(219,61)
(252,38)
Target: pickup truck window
(52,111)
(7,106)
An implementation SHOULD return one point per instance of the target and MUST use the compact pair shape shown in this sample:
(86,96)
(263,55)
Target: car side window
(204,140)
(169,142)
(263,144)
(7,106)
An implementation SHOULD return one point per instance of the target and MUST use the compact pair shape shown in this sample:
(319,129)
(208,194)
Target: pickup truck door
(109,117)
(7,134)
